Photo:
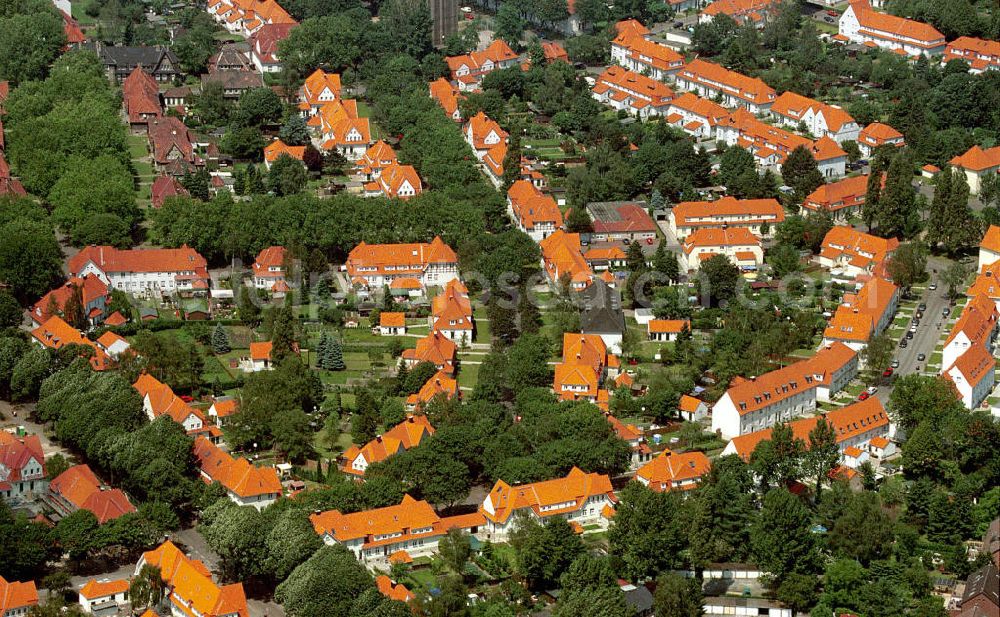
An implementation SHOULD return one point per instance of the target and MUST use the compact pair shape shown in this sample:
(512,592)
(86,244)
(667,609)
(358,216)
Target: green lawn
(137,146)
(468,375)
(483,333)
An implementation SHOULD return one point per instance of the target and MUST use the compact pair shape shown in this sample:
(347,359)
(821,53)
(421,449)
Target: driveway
(7,418)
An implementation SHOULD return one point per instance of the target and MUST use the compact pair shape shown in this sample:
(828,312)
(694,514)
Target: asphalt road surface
(931,327)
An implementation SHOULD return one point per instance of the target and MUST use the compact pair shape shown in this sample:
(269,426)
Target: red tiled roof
(16,595)
(629,83)
(171,141)
(570,492)
(17,452)
(894,27)
(79,486)
(141,96)
(671,467)
(847,422)
(94,588)
(977,159)
(111,260)
(447,95)
(975,364)
(849,192)
(238,475)
(877,134)
(56,334)
(403,259)
(531,206)
(751,211)
(91,288)
(856,320)
(190,584)
(166,186)
(748,88)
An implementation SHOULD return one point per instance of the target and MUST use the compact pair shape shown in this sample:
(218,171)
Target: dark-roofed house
(991,541)
(639,599)
(171,143)
(601,314)
(157,60)
(621,220)
(177,98)
(982,593)
(234,83)
(231,57)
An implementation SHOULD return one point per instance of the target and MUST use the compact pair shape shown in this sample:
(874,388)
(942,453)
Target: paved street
(931,327)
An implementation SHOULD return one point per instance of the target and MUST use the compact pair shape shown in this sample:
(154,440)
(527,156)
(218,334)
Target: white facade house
(374,536)
(820,119)
(103,597)
(144,271)
(735,90)
(759,403)
(989,248)
(581,498)
(974,375)
(860,23)
(22,466)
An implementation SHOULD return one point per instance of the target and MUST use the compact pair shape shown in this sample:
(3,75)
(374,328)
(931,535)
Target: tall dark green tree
(665,262)
(220,340)
(781,540)
(334,360)
(897,205)
(822,454)
(801,172)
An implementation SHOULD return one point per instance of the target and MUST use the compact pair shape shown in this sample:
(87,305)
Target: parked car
(922,306)
(678,24)
(887,372)
(864,396)
(895,364)
(932,286)
(649,241)
(909,335)
(921,357)
(872,390)
(903,343)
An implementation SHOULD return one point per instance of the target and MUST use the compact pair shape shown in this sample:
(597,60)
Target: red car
(187,398)
(863,396)
(887,372)
(649,241)
(833,13)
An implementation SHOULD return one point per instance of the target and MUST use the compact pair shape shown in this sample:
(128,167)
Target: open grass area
(77,8)
(468,375)
(138,146)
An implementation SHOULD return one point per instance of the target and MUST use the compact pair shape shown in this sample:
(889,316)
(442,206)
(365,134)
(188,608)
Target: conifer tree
(530,316)
(656,200)
(665,262)
(939,208)
(335,356)
(220,340)
(960,226)
(321,349)
(873,194)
